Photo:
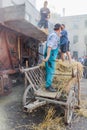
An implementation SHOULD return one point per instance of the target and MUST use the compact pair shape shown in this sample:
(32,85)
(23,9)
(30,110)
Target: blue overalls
(50,66)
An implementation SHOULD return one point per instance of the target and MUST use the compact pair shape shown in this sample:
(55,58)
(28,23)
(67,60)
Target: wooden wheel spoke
(28,96)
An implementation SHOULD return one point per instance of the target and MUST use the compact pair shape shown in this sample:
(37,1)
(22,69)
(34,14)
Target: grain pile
(63,74)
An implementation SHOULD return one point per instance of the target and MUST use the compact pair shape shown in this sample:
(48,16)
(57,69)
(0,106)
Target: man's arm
(48,15)
(48,54)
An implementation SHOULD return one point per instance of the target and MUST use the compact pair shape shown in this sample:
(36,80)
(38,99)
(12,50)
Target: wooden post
(26,82)
(78,80)
(1,85)
(26,63)
(19,50)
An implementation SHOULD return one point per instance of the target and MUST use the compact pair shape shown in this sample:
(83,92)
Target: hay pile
(63,74)
(65,67)
(64,71)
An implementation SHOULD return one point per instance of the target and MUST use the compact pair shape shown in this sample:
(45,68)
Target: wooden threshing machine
(17,49)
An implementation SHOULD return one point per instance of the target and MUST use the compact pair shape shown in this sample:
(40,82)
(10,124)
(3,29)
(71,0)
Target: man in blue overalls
(50,55)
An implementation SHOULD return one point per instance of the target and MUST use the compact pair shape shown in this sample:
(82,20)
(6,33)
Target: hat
(57,26)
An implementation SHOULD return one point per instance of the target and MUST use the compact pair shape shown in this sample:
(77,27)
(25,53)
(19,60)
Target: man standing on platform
(50,55)
(44,17)
(64,44)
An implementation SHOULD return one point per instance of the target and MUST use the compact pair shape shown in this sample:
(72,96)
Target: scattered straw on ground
(50,122)
(83,110)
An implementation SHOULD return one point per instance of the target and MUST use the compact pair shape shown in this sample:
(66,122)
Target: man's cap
(57,26)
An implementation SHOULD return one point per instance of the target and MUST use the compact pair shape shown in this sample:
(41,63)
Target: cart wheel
(28,96)
(70,107)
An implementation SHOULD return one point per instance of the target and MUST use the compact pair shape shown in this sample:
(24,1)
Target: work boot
(51,89)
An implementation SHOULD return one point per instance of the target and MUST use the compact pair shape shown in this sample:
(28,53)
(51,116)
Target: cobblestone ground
(12,116)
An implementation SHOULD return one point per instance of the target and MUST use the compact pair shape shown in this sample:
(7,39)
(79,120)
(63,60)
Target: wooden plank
(27,69)
(78,81)
(31,106)
(19,50)
(52,101)
(44,93)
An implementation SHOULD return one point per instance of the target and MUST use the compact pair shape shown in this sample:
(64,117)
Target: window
(86,23)
(75,39)
(75,54)
(85,39)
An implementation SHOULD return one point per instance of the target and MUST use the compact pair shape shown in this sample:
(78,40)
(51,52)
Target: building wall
(0,3)
(31,14)
(6,3)
(75,25)
(33,2)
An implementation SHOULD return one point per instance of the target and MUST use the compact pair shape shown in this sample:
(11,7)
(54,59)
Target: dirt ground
(12,116)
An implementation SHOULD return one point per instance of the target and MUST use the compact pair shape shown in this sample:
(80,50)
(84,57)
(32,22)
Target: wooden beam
(32,106)
(19,50)
(78,80)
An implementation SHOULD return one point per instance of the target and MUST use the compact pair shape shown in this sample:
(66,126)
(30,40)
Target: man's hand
(57,60)
(59,50)
(45,60)
(48,54)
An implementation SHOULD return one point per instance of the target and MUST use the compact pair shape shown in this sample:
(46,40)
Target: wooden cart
(35,94)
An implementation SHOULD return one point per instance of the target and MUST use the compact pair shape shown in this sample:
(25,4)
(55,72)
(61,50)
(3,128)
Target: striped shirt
(53,40)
